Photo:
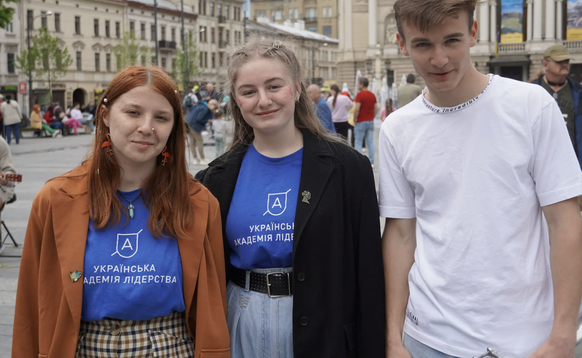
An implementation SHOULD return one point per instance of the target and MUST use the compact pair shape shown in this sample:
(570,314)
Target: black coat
(339,300)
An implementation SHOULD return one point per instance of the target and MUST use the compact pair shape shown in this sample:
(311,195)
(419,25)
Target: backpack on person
(188,102)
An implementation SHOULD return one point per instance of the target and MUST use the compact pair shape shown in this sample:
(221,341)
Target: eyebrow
(137,106)
(451,36)
(267,81)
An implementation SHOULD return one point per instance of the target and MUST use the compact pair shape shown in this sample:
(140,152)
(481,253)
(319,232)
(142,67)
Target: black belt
(274,284)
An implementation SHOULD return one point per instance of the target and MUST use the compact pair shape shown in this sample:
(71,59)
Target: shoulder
(342,154)
(523,93)
(200,194)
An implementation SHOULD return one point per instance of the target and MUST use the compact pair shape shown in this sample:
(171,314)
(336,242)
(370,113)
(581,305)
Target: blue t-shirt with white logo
(129,274)
(261,219)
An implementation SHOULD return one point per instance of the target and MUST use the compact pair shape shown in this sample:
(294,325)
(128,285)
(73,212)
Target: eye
(452,40)
(162,118)
(133,113)
(275,87)
(422,44)
(248,93)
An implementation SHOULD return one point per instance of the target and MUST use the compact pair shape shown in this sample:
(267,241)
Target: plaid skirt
(161,337)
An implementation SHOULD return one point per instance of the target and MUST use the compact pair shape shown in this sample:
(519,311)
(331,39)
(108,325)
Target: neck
(280,144)
(472,83)
(555,79)
(133,175)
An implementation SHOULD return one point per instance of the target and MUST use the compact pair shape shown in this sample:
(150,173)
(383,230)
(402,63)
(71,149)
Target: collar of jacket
(70,220)
(316,170)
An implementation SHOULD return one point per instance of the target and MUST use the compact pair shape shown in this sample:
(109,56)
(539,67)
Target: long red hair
(166,190)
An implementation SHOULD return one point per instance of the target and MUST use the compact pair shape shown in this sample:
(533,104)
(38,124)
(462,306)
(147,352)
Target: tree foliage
(129,50)
(6,12)
(179,70)
(46,60)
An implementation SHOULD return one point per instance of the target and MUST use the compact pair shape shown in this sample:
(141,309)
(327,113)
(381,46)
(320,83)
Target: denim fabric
(259,326)
(365,129)
(419,350)
(13,127)
(219,144)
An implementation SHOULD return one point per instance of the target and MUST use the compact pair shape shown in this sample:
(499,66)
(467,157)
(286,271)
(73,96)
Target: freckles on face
(289,93)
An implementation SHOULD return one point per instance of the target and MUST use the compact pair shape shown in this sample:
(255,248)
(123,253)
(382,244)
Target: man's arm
(357,111)
(565,228)
(398,245)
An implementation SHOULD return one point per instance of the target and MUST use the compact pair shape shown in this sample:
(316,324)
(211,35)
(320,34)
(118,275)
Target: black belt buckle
(489,354)
(269,284)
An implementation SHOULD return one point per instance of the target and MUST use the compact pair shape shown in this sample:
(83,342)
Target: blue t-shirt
(129,274)
(261,218)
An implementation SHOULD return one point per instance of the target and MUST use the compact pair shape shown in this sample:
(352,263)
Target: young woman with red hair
(123,255)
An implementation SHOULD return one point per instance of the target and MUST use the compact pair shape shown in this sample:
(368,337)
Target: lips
(267,113)
(143,144)
(442,75)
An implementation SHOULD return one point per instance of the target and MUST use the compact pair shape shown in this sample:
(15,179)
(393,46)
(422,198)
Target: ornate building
(539,24)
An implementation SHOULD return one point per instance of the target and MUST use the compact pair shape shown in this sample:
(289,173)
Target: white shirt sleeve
(396,193)
(555,170)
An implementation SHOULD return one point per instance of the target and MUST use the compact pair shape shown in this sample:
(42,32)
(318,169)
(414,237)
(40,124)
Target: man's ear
(402,44)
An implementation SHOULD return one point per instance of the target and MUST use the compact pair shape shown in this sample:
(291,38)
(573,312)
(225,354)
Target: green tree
(179,70)
(6,12)
(129,51)
(47,59)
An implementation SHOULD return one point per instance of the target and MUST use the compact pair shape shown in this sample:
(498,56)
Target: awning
(510,60)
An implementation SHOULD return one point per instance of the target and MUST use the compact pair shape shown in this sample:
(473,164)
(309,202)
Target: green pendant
(130,208)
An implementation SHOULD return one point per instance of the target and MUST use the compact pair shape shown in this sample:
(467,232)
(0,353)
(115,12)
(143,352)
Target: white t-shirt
(474,177)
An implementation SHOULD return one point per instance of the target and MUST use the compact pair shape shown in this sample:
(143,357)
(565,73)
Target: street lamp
(29,25)
(185,49)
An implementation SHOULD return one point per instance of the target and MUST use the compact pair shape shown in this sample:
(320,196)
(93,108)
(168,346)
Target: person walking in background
(123,255)
(12,118)
(38,123)
(321,108)
(340,110)
(300,221)
(387,109)
(222,131)
(364,113)
(196,121)
(408,91)
(478,184)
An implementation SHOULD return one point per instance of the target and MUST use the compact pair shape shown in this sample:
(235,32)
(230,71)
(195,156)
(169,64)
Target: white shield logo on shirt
(127,245)
(277,203)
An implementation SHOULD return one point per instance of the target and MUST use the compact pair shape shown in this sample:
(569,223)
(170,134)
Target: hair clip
(276,45)
(175,91)
(104,100)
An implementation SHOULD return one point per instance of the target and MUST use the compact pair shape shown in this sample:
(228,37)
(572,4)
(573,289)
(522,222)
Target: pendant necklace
(130,206)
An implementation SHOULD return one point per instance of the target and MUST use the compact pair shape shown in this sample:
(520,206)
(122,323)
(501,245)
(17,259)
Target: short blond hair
(214,102)
(423,14)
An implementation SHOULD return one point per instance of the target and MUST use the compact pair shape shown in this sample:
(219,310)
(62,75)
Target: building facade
(10,45)
(317,53)
(372,49)
(320,16)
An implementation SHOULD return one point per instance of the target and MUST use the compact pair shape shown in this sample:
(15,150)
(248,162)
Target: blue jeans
(16,129)
(365,129)
(219,143)
(419,350)
(259,326)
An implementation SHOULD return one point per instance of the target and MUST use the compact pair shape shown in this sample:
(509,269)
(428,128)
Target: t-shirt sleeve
(556,171)
(396,193)
(358,97)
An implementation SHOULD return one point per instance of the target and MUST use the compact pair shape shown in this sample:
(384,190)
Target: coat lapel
(70,225)
(315,172)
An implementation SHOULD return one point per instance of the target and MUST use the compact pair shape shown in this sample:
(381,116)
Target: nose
(146,125)
(439,57)
(264,99)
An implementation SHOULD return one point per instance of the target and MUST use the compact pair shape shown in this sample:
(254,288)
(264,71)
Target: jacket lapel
(316,170)
(71,238)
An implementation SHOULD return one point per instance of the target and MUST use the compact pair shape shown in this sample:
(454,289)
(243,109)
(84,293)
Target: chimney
(300,25)
(288,23)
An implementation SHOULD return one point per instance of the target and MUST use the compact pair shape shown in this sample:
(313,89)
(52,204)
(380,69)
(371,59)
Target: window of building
(228,37)
(29,17)
(163,63)
(277,15)
(212,35)
(108,62)
(79,61)
(221,59)
(290,14)
(117,29)
(211,9)
(163,33)
(173,31)
(296,13)
(219,9)
(96,27)
(226,12)
(10,61)
(213,60)
(132,29)
(311,13)
(9,27)
(43,20)
(153,32)
(57,22)
(323,72)
(261,14)
(327,30)
(97,62)
(334,57)
(312,28)
(206,59)
(107,28)
(323,55)
(324,12)
(203,7)
(142,30)
(45,60)
(333,73)
(77,25)
(201,59)
(330,11)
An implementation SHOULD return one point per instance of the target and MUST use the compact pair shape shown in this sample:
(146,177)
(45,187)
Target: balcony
(222,44)
(221,20)
(310,19)
(165,45)
(511,48)
(573,45)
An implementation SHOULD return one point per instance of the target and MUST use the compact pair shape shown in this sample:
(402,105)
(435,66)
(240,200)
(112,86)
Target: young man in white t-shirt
(466,172)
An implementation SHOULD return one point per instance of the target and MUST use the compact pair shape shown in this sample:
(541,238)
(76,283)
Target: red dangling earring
(166,155)
(108,143)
